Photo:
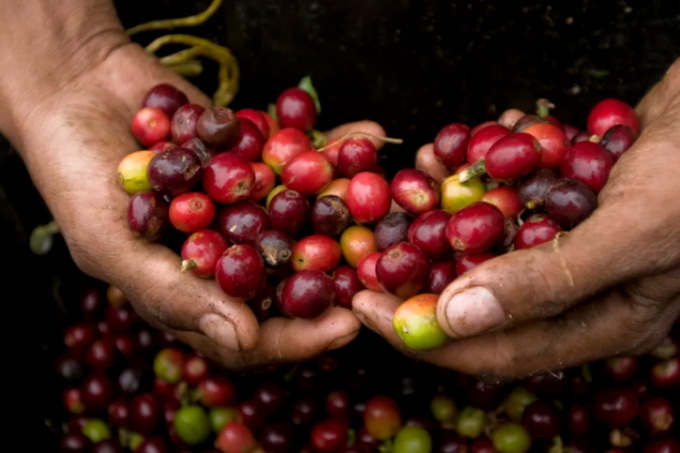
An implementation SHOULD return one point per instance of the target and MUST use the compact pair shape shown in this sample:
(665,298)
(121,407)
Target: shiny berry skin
(512,157)
(428,232)
(392,229)
(368,197)
(200,148)
(289,211)
(165,97)
(337,405)
(451,143)
(356,155)
(666,374)
(150,125)
(663,445)
(251,414)
(657,414)
(243,222)
(609,113)
(403,270)
(553,141)
(74,443)
(622,368)
(443,409)
(191,425)
(72,400)
(80,336)
(201,251)
(304,411)
(337,187)
(457,195)
(589,163)
(276,438)
(506,199)
(517,401)
(144,413)
(68,368)
(481,142)
(569,202)
(185,122)
(91,303)
(295,108)
(152,445)
(329,436)
(102,354)
(511,438)
(618,139)
(582,137)
(169,364)
(283,146)
(118,414)
(412,439)
(414,191)
(570,130)
(191,212)
(617,407)
(536,230)
(111,446)
(475,228)
(307,294)
(533,190)
(415,321)
(578,418)
(309,173)
(347,284)
(174,171)
(366,270)
(482,445)
(130,380)
(275,248)
(228,178)
(219,127)
(316,252)
(235,438)
(356,242)
(97,391)
(541,420)
(249,143)
(330,216)
(132,171)
(382,418)
(148,215)
(526,121)
(265,180)
(257,118)
(268,396)
(195,370)
(475,130)
(467,262)
(441,274)
(240,271)
(216,391)
(120,320)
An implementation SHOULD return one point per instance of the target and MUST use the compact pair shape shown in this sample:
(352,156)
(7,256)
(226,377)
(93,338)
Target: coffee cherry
(289,211)
(150,125)
(415,191)
(191,212)
(356,155)
(309,173)
(589,163)
(569,202)
(415,321)
(356,242)
(228,178)
(368,197)
(475,228)
(165,97)
(283,146)
(482,141)
(347,284)
(219,127)
(505,198)
(366,270)
(511,438)
(533,190)
(457,195)
(403,270)
(428,232)
(536,230)
(275,248)
(450,145)
(392,229)
(132,170)
(307,294)
(201,251)
(618,139)
(243,222)
(330,216)
(441,274)
(240,271)
(148,216)
(295,108)
(316,252)
(609,113)
(191,424)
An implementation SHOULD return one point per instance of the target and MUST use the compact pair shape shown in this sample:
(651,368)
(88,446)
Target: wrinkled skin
(609,287)
(71,84)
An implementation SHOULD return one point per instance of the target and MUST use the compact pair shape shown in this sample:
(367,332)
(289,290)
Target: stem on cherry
(187,265)
(395,141)
(476,169)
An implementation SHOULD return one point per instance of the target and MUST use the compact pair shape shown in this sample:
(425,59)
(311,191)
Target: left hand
(609,287)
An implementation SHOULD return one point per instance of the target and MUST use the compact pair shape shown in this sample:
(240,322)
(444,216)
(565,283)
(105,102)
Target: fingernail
(473,311)
(220,329)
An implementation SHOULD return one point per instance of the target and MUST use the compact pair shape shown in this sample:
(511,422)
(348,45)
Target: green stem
(191,68)
(41,239)
(169,24)
(319,140)
(476,169)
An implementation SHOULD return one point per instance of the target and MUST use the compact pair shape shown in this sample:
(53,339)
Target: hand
(74,85)
(609,287)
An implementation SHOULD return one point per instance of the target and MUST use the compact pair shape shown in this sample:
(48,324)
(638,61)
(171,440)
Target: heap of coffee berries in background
(128,387)
(274,212)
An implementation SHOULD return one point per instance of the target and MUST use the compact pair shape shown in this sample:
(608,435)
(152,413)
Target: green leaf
(306,84)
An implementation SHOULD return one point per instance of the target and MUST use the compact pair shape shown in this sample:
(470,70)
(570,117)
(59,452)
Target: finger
(546,280)
(615,324)
(369,127)
(426,161)
(149,274)
(285,340)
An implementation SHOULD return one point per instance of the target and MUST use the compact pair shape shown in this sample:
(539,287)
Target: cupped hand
(609,287)
(72,129)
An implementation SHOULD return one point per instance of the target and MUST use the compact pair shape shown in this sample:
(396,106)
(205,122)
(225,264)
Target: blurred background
(412,66)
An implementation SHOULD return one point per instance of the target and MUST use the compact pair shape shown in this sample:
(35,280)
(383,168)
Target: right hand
(67,105)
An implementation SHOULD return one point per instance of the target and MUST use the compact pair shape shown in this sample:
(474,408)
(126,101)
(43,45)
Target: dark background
(412,66)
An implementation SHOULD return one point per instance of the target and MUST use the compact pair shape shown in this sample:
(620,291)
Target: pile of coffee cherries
(293,224)
(129,387)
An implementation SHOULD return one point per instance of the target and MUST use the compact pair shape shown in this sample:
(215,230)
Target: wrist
(59,43)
